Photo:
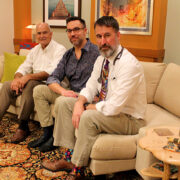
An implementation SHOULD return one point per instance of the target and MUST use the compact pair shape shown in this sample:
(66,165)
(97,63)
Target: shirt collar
(48,46)
(111,59)
(87,45)
(85,48)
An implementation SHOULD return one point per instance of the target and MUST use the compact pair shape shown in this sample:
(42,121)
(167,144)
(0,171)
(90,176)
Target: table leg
(178,172)
(166,173)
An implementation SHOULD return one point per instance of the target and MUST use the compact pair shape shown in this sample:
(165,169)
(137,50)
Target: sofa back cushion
(153,73)
(24,52)
(1,66)
(168,91)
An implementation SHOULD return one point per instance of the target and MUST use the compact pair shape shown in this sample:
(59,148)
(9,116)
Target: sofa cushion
(11,64)
(1,66)
(111,146)
(153,73)
(24,52)
(168,91)
(157,116)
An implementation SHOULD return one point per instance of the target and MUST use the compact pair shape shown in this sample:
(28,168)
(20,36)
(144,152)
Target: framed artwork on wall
(133,16)
(55,12)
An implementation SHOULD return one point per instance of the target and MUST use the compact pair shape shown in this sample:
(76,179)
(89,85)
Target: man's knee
(40,90)
(6,85)
(31,84)
(87,117)
(28,89)
(6,88)
(88,122)
(63,102)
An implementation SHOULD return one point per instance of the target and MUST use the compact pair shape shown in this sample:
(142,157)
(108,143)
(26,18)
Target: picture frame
(133,16)
(55,12)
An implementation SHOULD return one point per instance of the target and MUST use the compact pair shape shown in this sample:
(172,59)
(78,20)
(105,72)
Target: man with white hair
(40,62)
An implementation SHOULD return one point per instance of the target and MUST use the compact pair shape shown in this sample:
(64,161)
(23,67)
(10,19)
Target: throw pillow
(11,64)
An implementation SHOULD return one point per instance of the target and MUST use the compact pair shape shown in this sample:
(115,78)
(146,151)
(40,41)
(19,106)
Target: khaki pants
(43,98)
(92,123)
(7,96)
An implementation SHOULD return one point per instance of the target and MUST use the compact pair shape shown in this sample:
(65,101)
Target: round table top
(156,138)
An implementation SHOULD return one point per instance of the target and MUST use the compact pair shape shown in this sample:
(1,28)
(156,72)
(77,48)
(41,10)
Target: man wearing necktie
(118,78)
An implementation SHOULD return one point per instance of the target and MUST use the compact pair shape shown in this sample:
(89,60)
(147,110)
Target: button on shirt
(39,59)
(126,86)
(76,70)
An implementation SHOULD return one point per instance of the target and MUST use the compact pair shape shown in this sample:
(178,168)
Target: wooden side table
(154,141)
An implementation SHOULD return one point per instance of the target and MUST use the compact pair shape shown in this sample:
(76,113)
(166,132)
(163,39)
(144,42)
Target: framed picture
(55,12)
(133,16)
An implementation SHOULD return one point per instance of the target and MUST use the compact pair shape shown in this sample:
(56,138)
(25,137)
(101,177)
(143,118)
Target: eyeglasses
(75,30)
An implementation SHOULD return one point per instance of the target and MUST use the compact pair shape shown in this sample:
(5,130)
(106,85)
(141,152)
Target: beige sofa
(113,153)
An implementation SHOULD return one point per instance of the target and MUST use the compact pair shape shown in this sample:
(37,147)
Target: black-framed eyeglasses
(76,29)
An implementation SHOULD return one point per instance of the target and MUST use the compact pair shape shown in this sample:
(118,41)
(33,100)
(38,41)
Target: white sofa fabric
(113,153)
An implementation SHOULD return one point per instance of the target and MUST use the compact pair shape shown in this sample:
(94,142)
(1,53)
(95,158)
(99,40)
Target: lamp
(32,27)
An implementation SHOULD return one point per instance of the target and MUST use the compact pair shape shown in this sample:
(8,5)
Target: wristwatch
(86,104)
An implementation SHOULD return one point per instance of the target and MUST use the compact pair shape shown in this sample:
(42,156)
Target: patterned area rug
(17,162)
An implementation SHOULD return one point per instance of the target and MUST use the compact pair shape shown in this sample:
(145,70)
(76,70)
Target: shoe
(58,165)
(48,145)
(37,142)
(19,136)
(1,135)
(73,176)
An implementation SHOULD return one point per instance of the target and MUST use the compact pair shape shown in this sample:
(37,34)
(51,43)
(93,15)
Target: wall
(6,26)
(22,18)
(172,36)
(59,34)
(144,47)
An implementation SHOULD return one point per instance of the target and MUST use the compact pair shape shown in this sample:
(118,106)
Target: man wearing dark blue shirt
(76,65)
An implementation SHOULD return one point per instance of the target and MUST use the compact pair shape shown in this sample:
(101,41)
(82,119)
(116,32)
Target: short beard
(107,53)
(77,43)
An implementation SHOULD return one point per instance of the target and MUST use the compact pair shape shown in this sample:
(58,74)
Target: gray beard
(108,53)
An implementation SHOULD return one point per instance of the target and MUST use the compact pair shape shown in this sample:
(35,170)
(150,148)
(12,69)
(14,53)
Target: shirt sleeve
(122,90)
(26,67)
(59,73)
(92,84)
(57,56)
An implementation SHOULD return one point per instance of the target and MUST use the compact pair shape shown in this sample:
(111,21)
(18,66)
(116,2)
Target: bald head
(43,34)
(43,24)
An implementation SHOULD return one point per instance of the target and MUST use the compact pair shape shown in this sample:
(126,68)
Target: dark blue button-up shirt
(76,71)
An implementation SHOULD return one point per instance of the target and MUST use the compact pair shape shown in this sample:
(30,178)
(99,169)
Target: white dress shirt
(39,59)
(126,86)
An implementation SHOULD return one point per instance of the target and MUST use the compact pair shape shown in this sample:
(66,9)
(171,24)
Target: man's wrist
(86,104)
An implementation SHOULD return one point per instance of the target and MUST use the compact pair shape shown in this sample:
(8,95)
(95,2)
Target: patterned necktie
(105,73)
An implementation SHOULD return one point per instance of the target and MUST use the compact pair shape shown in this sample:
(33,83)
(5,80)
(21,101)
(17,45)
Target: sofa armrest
(1,66)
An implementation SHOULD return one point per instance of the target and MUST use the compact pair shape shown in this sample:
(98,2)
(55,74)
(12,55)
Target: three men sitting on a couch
(117,77)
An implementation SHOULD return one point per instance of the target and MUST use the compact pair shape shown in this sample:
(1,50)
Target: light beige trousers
(92,123)
(43,98)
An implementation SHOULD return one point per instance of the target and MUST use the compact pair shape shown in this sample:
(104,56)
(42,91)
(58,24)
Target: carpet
(18,162)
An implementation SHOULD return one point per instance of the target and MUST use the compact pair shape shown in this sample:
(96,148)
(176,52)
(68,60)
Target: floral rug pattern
(17,162)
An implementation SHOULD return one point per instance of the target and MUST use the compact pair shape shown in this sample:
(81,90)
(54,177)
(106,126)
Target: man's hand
(15,85)
(23,81)
(62,91)
(68,93)
(77,112)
